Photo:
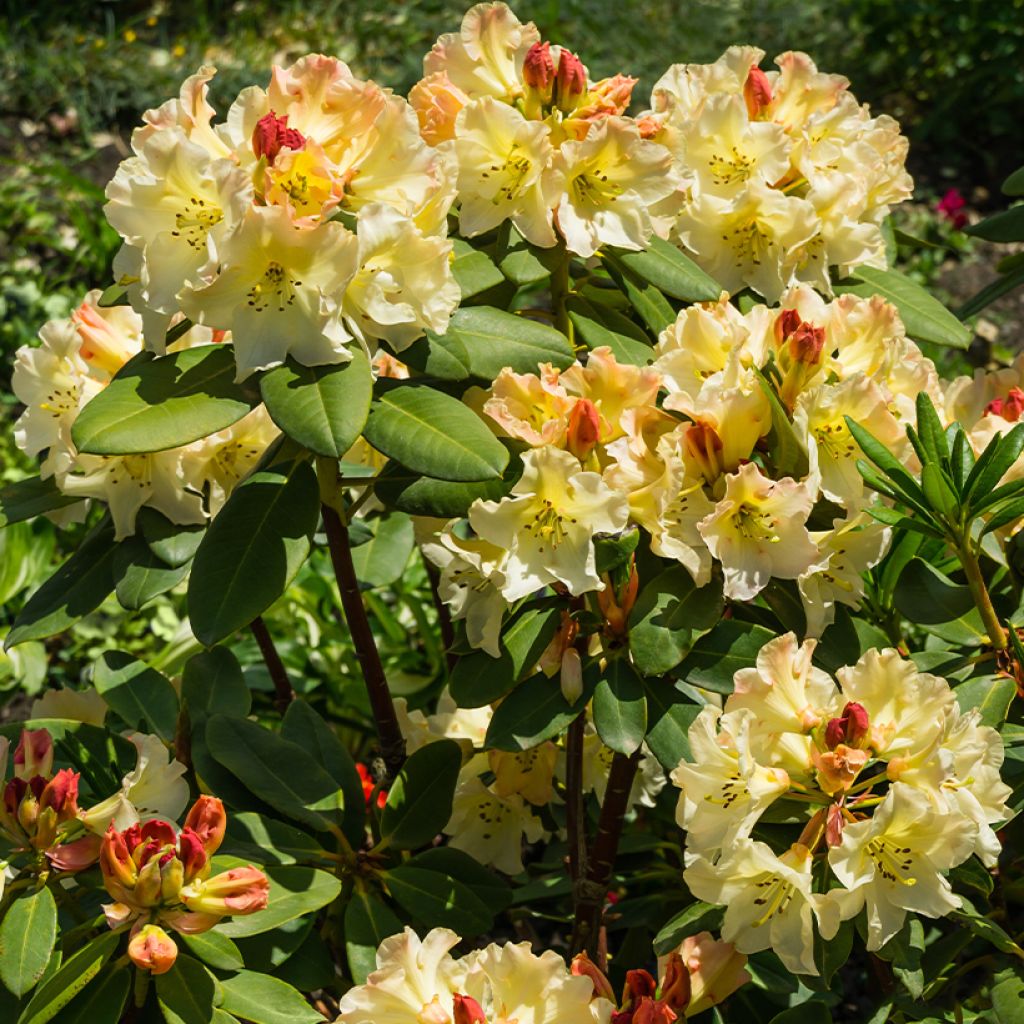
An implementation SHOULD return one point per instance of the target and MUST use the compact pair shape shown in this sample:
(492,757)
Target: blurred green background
(76,75)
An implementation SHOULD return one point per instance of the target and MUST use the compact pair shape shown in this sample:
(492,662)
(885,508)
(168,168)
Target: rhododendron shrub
(726,575)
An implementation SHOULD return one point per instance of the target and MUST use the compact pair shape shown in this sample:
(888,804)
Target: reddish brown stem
(275,666)
(444,617)
(392,743)
(574,819)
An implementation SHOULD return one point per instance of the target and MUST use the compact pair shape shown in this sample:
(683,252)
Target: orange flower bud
(716,970)
(152,949)
(757,92)
(117,866)
(1010,407)
(539,70)
(437,103)
(584,967)
(639,983)
(467,1010)
(33,755)
(76,856)
(806,344)
(675,985)
(570,82)
(584,428)
(238,891)
(61,793)
(837,769)
(209,822)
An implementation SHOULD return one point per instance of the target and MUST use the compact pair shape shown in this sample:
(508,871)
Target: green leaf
(324,408)
(999,455)
(492,889)
(265,1000)
(174,544)
(620,707)
(985,928)
(593,330)
(670,715)
(494,339)
(437,901)
(697,917)
(784,442)
(255,756)
(382,559)
(368,922)
(532,713)
(31,497)
(832,954)
(1014,184)
(924,317)
(252,550)
(479,679)
(434,434)
(187,993)
(302,725)
(75,589)
(1008,997)
(670,271)
(420,799)
(814,1011)
(717,656)
(212,682)
(669,614)
(991,695)
(142,696)
(70,978)
(294,891)
(214,948)
(155,403)
(142,575)
(474,271)
(654,309)
(924,595)
(441,499)
(254,837)
(102,1002)
(524,264)
(28,932)
(1005,226)
(1002,285)
(442,356)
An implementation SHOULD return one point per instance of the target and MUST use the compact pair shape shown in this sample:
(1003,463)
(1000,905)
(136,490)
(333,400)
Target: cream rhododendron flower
(547,524)
(892,862)
(77,705)
(534,407)
(758,531)
(279,291)
(414,982)
(768,899)
(608,185)
(724,789)
(502,162)
(597,761)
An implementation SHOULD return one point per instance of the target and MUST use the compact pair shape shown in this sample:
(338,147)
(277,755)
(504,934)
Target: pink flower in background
(951,206)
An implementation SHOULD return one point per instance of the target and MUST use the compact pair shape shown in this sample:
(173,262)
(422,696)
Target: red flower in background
(951,206)
(367,780)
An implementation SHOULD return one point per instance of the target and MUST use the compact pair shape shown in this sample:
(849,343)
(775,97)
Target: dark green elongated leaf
(991,695)
(302,725)
(215,949)
(270,949)
(212,682)
(252,550)
(814,1011)
(783,441)
(141,575)
(524,264)
(479,679)
(27,934)
(101,1002)
(833,954)
(930,429)
(717,656)
(1014,184)
(670,271)
(442,356)
(533,712)
(187,993)
(938,489)
(494,339)
(142,696)
(438,901)
(474,270)
(253,837)
(669,615)
(885,461)
(368,922)
(591,328)
(1005,226)
(265,1000)
(653,308)
(31,497)
(924,595)
(420,800)
(311,966)
(75,589)
(697,917)
(256,755)
(1009,513)
(620,707)
(999,455)
(1002,285)
(68,980)
(173,544)
(986,928)
(295,890)
(383,558)
(1008,996)
(670,715)
(492,889)
(322,407)
(924,317)
(155,403)
(419,495)
(434,434)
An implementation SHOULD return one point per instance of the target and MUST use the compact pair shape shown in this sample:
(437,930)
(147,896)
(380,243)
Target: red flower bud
(152,949)
(117,866)
(650,1012)
(757,92)
(191,853)
(61,793)
(34,754)
(584,428)
(539,69)
(639,983)
(675,986)
(584,967)
(850,729)
(786,323)
(570,83)
(208,820)
(1010,407)
(806,344)
(466,1009)
(272,134)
